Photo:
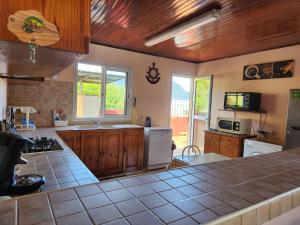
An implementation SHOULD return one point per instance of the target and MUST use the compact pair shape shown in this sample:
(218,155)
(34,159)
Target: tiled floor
(181,196)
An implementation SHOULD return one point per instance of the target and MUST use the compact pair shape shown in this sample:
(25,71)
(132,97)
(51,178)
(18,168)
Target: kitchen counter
(215,131)
(189,195)
(62,169)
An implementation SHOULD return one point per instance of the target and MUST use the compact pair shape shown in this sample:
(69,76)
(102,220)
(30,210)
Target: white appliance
(158,147)
(234,126)
(254,147)
(26,124)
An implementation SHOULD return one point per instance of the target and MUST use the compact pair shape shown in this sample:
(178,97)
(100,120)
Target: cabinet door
(91,144)
(112,153)
(133,150)
(230,146)
(212,143)
(72,139)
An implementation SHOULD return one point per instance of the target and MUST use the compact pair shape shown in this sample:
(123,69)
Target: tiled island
(241,191)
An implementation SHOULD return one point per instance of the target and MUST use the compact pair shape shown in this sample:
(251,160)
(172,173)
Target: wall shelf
(235,111)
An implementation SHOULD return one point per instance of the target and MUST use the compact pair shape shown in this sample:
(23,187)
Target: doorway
(181,105)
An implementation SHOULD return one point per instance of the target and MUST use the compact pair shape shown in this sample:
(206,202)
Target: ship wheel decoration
(153,74)
(32,28)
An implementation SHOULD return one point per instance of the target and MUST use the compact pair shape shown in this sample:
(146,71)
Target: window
(101,92)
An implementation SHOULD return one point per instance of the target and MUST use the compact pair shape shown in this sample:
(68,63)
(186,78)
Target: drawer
(230,140)
(212,136)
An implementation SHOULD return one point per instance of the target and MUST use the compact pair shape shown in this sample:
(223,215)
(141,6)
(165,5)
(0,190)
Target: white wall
(152,100)
(3,98)
(228,76)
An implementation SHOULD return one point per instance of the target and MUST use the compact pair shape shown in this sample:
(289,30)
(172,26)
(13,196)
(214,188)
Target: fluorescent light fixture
(197,21)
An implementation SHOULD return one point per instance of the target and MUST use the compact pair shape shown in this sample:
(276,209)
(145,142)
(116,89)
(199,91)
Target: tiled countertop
(190,195)
(62,169)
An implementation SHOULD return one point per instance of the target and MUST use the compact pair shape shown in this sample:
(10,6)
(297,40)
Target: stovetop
(42,144)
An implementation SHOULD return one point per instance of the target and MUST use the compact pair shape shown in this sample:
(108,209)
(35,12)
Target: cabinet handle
(124,159)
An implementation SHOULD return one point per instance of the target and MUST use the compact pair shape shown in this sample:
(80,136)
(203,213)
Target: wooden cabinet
(72,139)
(133,150)
(231,146)
(212,142)
(225,144)
(91,145)
(112,153)
(72,19)
(108,152)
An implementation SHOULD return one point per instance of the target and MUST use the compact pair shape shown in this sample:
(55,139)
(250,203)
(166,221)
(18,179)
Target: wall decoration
(32,28)
(281,69)
(153,74)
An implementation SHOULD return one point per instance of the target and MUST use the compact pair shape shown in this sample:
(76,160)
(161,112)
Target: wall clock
(153,74)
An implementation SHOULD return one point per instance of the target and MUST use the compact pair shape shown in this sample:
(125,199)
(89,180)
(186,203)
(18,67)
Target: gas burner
(42,144)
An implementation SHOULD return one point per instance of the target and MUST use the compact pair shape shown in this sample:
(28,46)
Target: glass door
(201,109)
(181,105)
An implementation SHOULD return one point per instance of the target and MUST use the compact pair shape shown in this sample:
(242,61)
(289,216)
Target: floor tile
(104,214)
(190,170)
(148,178)
(164,175)
(140,190)
(173,195)
(75,219)
(189,206)
(175,182)
(205,216)
(152,201)
(190,191)
(144,218)
(207,201)
(168,213)
(119,195)
(94,201)
(130,182)
(177,172)
(67,208)
(185,221)
(130,207)
(110,185)
(190,179)
(87,190)
(159,186)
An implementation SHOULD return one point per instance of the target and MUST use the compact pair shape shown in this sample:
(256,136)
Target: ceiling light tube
(198,21)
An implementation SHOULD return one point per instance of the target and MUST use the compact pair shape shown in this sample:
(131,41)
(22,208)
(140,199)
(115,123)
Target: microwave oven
(234,126)
(242,101)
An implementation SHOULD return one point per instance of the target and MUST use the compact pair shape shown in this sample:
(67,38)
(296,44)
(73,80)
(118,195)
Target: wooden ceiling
(245,26)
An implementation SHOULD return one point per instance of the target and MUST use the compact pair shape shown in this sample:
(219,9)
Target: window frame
(102,116)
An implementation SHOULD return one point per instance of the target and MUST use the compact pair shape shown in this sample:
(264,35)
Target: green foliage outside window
(202,96)
(115,94)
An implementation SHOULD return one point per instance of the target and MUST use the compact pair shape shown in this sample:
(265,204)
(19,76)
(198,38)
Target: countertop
(189,195)
(228,134)
(62,169)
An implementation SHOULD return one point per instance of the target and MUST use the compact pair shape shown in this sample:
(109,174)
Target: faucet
(97,122)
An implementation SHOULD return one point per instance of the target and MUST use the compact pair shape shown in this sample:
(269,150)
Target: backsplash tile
(44,97)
